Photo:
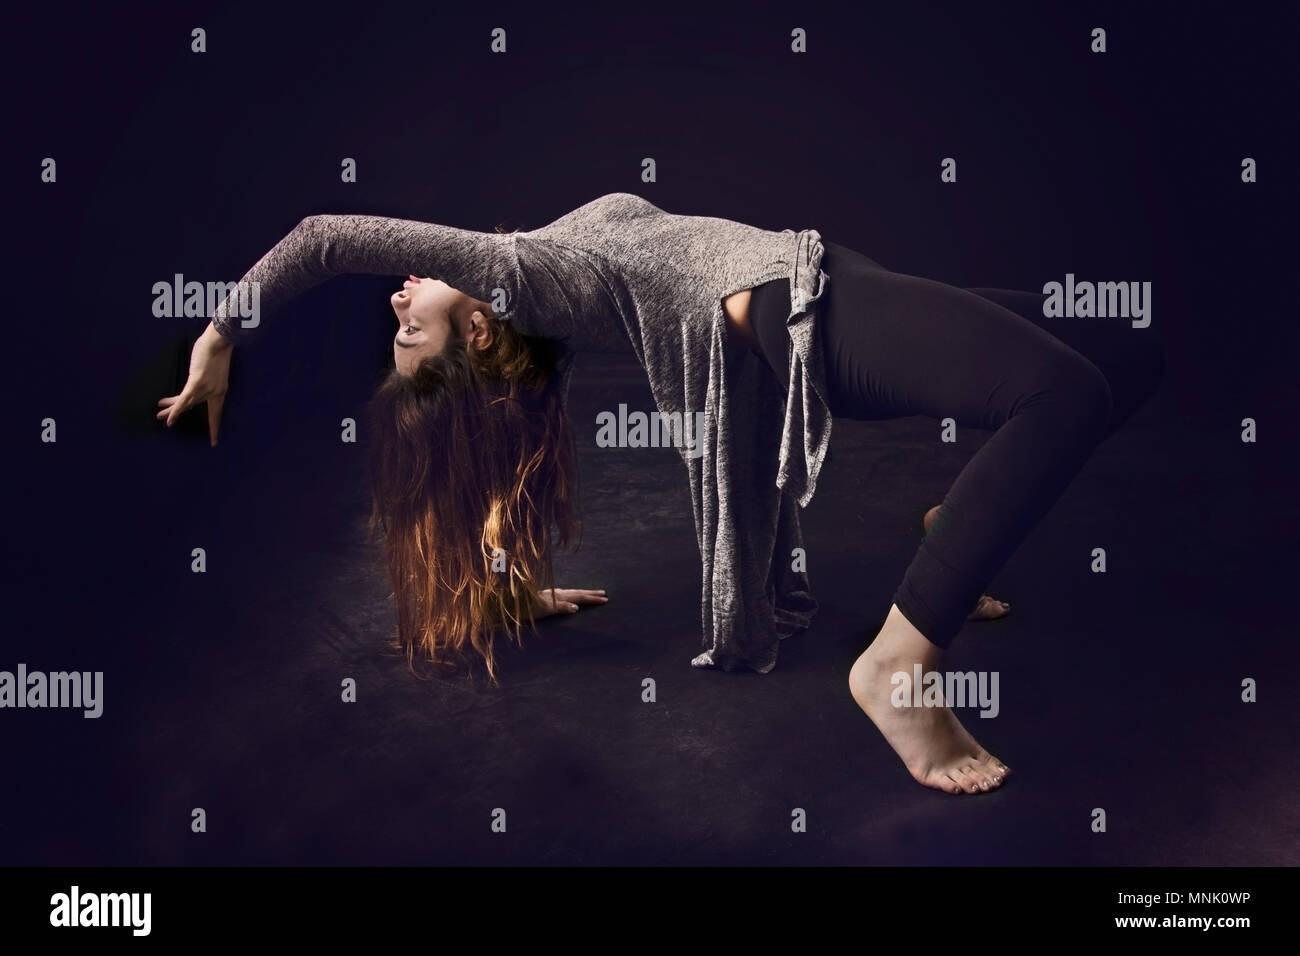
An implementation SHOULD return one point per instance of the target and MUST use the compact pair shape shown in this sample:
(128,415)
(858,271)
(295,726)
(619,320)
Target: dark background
(221,690)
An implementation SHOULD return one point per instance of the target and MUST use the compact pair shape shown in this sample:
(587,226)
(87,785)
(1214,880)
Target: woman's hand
(568,600)
(207,383)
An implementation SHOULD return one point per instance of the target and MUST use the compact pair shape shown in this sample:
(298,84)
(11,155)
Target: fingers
(165,405)
(214,419)
(178,406)
(174,406)
(572,599)
(582,595)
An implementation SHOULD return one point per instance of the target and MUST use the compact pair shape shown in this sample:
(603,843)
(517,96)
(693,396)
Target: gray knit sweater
(619,273)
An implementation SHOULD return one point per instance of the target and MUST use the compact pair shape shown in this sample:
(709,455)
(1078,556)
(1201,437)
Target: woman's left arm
(569,600)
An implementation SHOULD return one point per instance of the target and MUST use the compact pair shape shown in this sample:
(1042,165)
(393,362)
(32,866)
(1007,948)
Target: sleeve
(321,247)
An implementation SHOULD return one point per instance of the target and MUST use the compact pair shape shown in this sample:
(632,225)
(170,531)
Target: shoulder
(625,201)
(611,207)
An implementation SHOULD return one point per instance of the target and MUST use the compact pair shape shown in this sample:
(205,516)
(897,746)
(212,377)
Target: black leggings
(897,345)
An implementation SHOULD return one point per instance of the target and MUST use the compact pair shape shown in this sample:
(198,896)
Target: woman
(763,336)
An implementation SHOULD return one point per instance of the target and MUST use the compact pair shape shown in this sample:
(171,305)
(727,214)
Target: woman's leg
(900,345)
(1132,362)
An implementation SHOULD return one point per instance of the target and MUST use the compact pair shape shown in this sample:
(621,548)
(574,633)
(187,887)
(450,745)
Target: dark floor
(1119,691)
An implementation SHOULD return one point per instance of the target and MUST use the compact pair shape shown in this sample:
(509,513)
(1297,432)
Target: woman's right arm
(567,294)
(207,382)
(321,247)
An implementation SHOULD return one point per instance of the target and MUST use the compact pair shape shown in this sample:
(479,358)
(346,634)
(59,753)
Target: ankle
(899,642)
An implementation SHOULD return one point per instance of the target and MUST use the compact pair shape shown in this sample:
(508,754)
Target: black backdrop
(1122,166)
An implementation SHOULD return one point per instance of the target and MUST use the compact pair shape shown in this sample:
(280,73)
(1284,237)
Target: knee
(1078,394)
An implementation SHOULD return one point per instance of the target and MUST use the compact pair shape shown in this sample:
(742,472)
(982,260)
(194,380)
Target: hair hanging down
(472,453)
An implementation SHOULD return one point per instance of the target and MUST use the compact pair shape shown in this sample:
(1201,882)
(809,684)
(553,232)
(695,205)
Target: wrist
(216,339)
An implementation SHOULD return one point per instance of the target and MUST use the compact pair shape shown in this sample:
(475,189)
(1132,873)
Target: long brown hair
(472,466)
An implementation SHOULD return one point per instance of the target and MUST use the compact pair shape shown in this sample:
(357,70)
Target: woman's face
(429,313)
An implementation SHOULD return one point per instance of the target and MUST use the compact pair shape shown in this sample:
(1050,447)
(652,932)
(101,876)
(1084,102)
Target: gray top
(619,272)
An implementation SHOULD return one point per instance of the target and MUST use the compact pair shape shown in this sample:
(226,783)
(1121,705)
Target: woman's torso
(736,307)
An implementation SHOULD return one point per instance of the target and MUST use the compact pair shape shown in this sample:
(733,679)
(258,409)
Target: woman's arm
(569,600)
(206,384)
(567,296)
(551,291)
(320,247)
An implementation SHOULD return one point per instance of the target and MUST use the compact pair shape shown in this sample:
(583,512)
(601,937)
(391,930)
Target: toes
(952,782)
(982,777)
(968,780)
(988,609)
(938,780)
(972,777)
(994,767)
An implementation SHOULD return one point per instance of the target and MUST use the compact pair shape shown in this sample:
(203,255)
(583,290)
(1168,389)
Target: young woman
(764,337)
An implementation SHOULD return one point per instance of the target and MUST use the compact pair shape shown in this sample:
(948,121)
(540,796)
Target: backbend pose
(770,334)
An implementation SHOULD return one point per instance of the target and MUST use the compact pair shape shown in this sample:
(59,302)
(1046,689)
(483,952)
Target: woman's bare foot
(928,520)
(986,608)
(936,749)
